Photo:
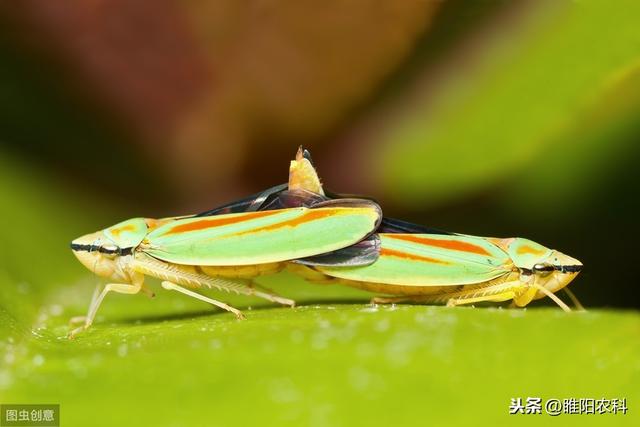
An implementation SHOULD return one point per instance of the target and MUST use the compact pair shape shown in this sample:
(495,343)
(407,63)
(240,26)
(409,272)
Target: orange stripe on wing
(526,249)
(217,222)
(117,231)
(455,245)
(153,223)
(310,215)
(404,255)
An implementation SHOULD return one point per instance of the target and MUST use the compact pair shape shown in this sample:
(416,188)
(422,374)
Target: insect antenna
(553,296)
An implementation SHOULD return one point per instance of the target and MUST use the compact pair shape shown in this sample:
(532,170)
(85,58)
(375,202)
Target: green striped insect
(419,264)
(220,251)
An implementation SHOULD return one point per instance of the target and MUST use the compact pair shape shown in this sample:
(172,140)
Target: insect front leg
(75,320)
(122,288)
(173,287)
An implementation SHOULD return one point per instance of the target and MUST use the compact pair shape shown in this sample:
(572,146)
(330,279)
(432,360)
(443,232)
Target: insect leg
(453,302)
(493,293)
(190,277)
(551,295)
(497,292)
(460,300)
(122,288)
(148,292)
(81,319)
(173,287)
(574,299)
(269,295)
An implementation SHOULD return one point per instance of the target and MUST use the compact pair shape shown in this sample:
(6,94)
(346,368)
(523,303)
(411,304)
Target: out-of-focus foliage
(195,83)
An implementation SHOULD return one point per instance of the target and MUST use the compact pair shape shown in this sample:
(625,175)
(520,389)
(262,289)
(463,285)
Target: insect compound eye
(543,269)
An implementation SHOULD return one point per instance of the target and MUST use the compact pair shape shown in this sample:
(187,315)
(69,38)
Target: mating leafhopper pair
(323,237)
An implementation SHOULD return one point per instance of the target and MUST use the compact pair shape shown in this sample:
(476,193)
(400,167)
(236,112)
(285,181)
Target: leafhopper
(223,248)
(424,265)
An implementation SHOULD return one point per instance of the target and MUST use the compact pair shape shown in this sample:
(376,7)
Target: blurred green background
(486,117)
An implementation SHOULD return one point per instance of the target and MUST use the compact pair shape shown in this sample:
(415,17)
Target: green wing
(429,260)
(263,236)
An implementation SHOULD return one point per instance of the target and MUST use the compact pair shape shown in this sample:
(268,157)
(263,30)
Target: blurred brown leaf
(196,82)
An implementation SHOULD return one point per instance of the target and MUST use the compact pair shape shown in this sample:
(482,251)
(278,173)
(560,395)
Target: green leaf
(333,361)
(330,364)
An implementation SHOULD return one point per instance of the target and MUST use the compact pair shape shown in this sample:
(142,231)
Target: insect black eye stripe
(569,268)
(92,248)
(78,247)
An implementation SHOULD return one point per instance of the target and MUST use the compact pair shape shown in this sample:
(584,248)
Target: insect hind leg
(174,287)
(491,293)
(453,302)
(192,278)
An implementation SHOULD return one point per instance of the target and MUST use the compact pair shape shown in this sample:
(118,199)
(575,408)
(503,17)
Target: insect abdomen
(242,271)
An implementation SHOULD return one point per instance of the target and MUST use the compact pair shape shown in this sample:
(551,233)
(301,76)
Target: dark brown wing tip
(303,153)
